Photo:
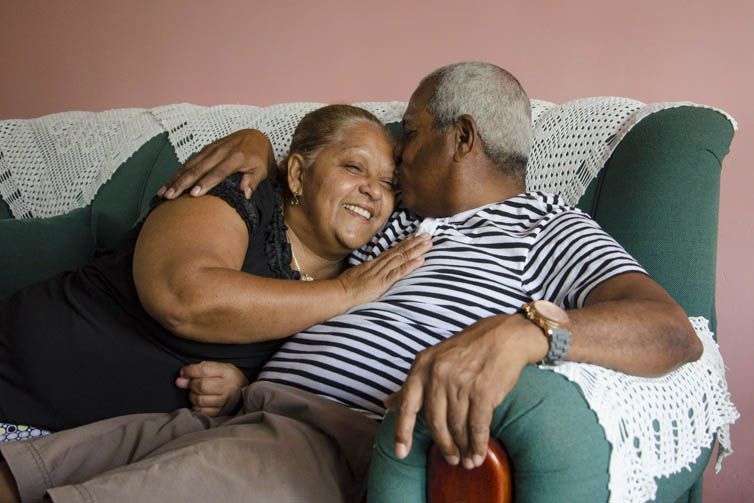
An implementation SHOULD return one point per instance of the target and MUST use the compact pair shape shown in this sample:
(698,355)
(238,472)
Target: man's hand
(459,382)
(214,388)
(247,151)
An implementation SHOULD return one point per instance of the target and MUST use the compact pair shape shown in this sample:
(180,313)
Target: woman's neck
(308,256)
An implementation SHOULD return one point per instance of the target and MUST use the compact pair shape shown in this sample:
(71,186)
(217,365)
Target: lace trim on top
(266,197)
(277,247)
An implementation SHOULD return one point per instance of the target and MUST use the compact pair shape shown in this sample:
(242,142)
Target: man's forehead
(415,110)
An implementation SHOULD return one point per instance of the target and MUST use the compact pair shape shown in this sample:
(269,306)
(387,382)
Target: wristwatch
(554,322)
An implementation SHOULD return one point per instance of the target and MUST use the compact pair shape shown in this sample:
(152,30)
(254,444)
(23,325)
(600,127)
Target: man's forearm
(638,337)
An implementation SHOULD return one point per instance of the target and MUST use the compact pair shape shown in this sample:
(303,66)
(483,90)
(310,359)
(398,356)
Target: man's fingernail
(247,193)
(161,191)
(478,460)
(401,450)
(452,460)
(468,463)
(169,193)
(196,190)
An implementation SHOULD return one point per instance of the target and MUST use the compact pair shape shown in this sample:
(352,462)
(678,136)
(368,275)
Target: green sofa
(657,195)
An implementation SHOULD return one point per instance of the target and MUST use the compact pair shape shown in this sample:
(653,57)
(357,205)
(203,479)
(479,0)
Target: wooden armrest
(490,483)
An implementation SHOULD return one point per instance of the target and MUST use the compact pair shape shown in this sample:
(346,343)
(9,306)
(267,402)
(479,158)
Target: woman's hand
(215,388)
(247,151)
(369,280)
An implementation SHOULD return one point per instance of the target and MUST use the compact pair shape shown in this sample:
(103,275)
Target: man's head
(463,119)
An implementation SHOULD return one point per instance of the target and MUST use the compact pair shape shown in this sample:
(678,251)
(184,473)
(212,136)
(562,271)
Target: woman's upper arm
(179,238)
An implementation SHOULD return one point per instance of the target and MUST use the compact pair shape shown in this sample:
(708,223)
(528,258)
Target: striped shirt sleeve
(570,256)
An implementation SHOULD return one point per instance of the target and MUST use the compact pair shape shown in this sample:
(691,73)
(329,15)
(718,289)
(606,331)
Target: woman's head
(341,170)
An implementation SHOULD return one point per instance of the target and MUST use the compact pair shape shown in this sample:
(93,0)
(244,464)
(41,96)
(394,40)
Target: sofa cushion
(4,210)
(37,249)
(125,198)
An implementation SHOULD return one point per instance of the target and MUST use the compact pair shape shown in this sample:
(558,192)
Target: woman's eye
(353,168)
(391,184)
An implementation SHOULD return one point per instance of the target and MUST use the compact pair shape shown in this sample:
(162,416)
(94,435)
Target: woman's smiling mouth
(359,211)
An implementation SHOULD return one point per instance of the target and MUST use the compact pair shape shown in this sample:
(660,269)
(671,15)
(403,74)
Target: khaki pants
(286,445)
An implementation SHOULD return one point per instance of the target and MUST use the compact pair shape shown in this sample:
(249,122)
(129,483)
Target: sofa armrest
(490,483)
(658,195)
(557,449)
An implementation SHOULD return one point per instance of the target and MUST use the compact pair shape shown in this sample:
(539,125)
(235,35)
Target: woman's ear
(465,136)
(295,174)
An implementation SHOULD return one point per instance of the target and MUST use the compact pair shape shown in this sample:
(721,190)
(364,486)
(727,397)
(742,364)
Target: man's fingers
(436,414)
(480,416)
(393,401)
(193,171)
(412,396)
(221,171)
(458,411)
(249,182)
(169,190)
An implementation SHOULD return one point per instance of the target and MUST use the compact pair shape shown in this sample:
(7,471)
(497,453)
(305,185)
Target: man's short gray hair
(496,101)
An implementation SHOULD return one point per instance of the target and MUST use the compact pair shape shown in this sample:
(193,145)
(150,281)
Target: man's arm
(631,324)
(247,151)
(628,323)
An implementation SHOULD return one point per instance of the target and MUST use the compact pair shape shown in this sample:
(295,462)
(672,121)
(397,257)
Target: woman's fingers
(207,400)
(409,249)
(204,369)
(210,386)
(208,411)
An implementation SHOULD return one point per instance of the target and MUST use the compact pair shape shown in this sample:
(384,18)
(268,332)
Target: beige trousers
(285,445)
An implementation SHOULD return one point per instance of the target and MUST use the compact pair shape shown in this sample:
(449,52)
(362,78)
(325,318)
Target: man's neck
(479,187)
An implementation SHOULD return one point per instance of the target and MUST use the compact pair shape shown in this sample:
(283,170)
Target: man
(454,330)
(465,143)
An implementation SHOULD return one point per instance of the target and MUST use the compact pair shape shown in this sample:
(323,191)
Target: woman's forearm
(213,304)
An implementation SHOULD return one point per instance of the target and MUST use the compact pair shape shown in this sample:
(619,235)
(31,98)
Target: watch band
(560,342)
(558,337)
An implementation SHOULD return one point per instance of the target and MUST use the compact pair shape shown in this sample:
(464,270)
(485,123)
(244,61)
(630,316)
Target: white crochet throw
(656,427)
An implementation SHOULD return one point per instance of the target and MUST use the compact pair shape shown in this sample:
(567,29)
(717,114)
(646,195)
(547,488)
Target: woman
(206,278)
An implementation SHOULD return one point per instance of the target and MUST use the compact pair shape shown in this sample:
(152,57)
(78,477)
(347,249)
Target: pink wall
(94,55)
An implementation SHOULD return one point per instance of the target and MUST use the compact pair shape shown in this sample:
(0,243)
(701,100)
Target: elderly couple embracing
(247,340)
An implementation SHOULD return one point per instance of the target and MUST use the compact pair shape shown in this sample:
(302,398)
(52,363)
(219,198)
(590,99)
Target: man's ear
(465,136)
(295,174)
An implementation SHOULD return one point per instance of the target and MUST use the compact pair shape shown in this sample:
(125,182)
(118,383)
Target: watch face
(551,311)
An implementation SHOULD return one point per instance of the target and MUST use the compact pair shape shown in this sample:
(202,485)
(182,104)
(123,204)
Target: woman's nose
(371,188)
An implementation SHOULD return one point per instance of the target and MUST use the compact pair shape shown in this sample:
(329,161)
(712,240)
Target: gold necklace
(304,276)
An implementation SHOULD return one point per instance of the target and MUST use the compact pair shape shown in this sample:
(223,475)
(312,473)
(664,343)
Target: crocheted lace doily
(54,164)
(657,427)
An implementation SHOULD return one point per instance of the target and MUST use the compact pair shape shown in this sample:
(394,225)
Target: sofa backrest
(657,195)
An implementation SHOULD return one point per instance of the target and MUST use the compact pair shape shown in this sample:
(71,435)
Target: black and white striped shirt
(483,262)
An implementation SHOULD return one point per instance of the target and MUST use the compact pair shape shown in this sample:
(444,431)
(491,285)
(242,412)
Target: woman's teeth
(358,210)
